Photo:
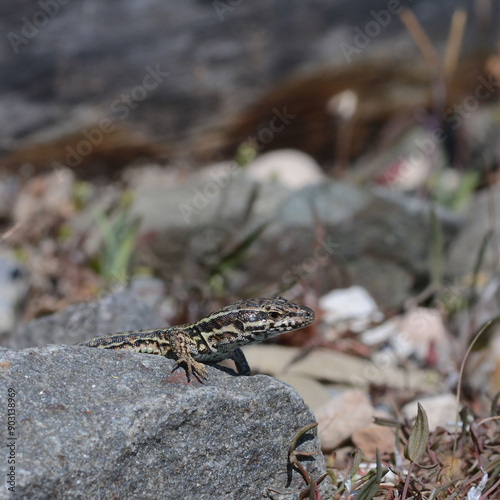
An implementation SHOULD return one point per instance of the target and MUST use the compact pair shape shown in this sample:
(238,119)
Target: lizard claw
(192,366)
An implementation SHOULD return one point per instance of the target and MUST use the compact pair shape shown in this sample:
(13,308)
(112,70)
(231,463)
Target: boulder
(117,312)
(93,423)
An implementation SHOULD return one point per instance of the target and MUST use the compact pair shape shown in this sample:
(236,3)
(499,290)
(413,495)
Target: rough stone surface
(117,312)
(107,424)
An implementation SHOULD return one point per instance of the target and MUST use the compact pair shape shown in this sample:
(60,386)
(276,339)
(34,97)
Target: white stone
(379,334)
(352,304)
(289,167)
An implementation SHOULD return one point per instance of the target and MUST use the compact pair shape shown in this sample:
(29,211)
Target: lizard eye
(274,314)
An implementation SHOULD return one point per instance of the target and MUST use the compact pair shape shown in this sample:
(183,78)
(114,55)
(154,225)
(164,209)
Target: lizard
(215,337)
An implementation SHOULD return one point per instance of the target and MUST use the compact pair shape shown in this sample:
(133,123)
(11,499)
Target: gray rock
(332,202)
(202,199)
(377,239)
(389,282)
(216,54)
(397,228)
(117,312)
(371,238)
(108,424)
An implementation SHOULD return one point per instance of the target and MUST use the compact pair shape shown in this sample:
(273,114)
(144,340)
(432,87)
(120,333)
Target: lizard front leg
(241,362)
(179,344)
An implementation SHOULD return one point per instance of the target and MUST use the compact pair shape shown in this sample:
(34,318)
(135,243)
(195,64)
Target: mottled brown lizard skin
(216,337)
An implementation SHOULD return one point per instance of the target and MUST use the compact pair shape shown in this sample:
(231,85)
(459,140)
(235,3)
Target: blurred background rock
(196,79)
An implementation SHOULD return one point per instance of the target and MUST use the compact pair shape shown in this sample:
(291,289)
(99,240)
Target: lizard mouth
(307,315)
(286,326)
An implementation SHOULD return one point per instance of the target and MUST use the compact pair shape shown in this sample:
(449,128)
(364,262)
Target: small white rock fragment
(353,306)
(475,492)
(381,333)
(294,169)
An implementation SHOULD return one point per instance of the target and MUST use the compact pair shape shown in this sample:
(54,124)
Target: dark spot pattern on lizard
(218,336)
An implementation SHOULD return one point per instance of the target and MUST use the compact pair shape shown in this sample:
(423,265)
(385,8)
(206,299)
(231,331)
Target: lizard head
(273,316)
(254,320)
